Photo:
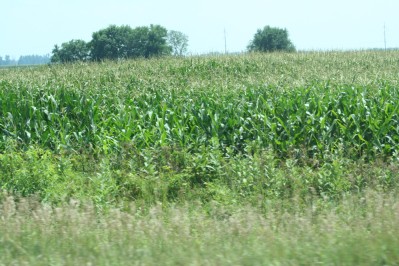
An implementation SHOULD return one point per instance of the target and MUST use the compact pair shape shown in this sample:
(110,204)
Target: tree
(74,50)
(7,61)
(115,43)
(111,43)
(124,42)
(33,59)
(156,42)
(148,42)
(271,39)
(178,42)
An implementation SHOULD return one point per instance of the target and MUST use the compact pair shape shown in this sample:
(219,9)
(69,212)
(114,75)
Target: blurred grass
(358,230)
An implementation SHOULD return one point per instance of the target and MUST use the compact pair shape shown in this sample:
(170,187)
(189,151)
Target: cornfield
(163,127)
(311,101)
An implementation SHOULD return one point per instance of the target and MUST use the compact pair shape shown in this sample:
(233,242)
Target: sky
(30,27)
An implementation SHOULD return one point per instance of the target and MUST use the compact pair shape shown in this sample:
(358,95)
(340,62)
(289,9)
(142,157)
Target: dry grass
(359,230)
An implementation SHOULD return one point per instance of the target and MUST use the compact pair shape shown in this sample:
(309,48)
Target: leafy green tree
(270,39)
(111,43)
(74,50)
(148,42)
(138,42)
(157,43)
(178,42)
(118,42)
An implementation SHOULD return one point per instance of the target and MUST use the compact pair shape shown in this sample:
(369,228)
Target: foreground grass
(357,230)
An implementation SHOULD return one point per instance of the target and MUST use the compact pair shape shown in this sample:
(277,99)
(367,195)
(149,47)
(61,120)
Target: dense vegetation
(271,39)
(227,151)
(122,42)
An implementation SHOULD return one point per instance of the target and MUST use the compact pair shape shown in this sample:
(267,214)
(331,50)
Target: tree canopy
(178,42)
(270,39)
(122,42)
(74,50)
(114,43)
(148,42)
(111,43)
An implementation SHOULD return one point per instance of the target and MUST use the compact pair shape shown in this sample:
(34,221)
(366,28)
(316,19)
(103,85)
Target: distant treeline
(122,42)
(25,60)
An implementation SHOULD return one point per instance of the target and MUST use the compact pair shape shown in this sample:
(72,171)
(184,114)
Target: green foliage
(218,128)
(244,156)
(270,39)
(110,43)
(360,119)
(148,42)
(178,41)
(173,175)
(72,51)
(121,42)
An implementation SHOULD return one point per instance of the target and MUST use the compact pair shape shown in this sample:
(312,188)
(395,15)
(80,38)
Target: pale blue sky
(35,26)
